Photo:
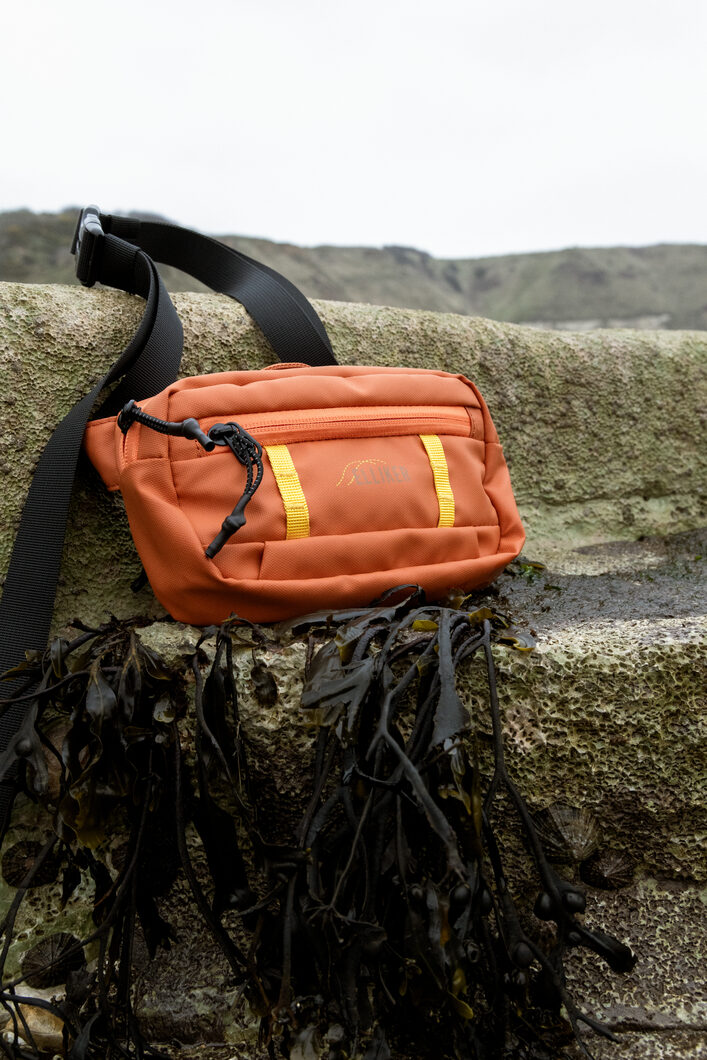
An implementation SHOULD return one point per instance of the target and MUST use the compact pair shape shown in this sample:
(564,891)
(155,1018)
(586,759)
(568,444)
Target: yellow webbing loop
(440,472)
(288,483)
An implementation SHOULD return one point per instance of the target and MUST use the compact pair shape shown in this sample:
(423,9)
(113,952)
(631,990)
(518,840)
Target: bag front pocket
(387,552)
(337,472)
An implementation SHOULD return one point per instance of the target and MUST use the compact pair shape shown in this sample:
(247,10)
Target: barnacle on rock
(567,833)
(18,859)
(608,870)
(50,961)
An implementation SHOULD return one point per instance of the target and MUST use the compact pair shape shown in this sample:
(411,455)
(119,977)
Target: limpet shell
(567,833)
(608,870)
(18,859)
(49,962)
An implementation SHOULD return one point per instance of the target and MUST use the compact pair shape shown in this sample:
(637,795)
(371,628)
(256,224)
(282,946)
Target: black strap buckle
(87,245)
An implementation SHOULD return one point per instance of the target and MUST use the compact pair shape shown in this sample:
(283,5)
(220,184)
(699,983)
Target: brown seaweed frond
(386,919)
(400,916)
(93,748)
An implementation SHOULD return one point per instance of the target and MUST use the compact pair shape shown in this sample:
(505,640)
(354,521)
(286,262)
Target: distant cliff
(641,287)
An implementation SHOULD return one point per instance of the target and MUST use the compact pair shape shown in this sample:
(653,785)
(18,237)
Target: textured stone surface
(566,706)
(688,1045)
(605,432)
(681,1045)
(568,696)
(666,921)
(607,714)
(40,913)
(592,719)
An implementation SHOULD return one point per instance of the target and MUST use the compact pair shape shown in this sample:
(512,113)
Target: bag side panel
(103,444)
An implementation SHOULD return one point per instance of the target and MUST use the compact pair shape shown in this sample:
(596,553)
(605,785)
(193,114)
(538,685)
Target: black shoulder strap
(118,252)
(285,316)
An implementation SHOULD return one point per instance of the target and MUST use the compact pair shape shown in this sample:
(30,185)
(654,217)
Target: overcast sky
(462,128)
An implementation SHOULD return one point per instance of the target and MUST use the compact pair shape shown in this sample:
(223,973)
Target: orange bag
(371,477)
(271,493)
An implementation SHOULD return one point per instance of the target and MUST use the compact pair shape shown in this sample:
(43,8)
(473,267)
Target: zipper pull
(249,453)
(244,447)
(189,428)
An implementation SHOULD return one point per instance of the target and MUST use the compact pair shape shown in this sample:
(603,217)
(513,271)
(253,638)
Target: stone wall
(606,437)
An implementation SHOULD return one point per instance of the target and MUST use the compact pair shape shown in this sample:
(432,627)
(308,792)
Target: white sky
(462,128)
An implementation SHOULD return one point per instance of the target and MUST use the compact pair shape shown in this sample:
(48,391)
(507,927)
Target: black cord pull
(244,447)
(249,453)
(189,428)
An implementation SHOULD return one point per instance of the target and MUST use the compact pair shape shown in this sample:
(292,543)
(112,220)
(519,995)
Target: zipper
(367,422)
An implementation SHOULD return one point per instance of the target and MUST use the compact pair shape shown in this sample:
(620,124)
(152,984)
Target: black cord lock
(244,447)
(249,453)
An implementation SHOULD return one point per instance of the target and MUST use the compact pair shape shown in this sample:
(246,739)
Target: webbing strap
(30,584)
(286,318)
(440,474)
(119,254)
(290,487)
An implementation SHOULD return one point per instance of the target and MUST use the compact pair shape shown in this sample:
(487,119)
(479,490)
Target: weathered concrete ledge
(605,715)
(613,700)
(606,435)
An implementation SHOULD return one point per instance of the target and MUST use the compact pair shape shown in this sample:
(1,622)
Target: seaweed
(385,919)
(112,775)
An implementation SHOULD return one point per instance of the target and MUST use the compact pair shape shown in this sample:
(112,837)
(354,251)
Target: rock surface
(605,436)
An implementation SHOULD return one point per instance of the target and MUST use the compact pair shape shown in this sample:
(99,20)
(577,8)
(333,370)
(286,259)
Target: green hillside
(661,286)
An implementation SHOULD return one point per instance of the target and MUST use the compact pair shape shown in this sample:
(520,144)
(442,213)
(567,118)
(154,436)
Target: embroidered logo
(372,472)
